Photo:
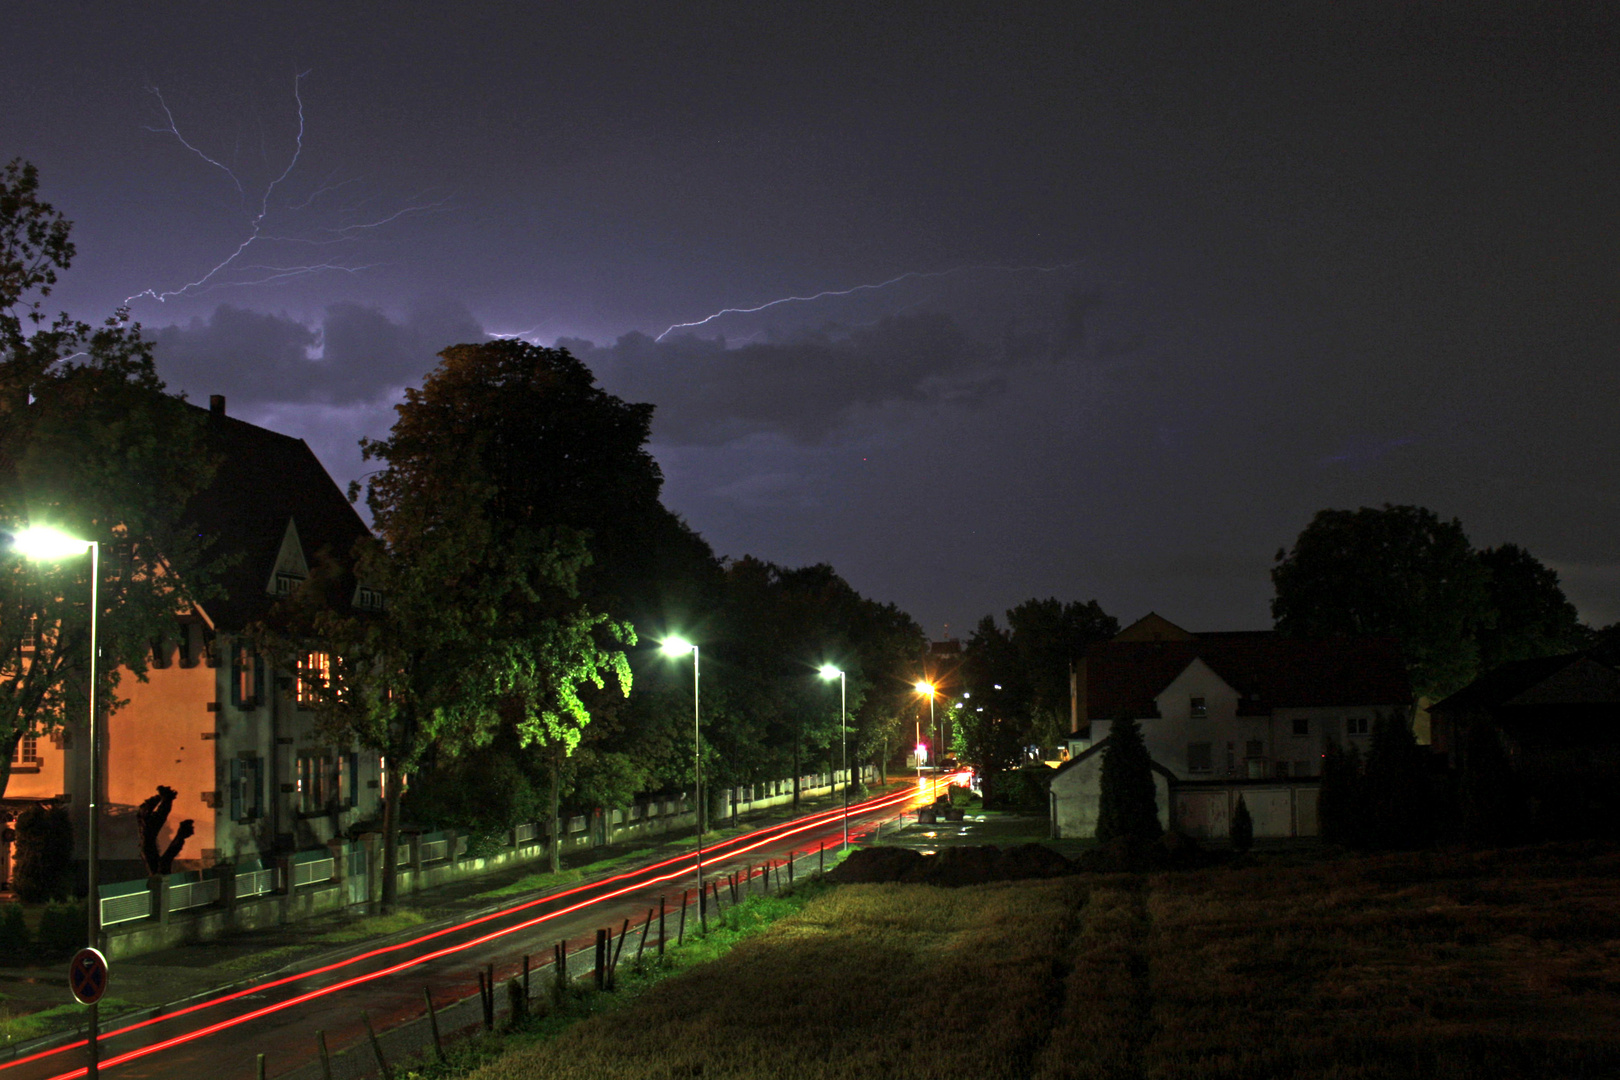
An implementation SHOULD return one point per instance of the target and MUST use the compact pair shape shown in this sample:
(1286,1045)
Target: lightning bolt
(825,293)
(255,225)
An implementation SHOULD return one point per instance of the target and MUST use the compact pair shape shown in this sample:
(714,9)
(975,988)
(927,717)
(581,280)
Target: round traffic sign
(87,975)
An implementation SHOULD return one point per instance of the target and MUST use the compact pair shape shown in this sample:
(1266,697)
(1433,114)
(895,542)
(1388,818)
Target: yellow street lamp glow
(676,646)
(830,672)
(925,688)
(44,542)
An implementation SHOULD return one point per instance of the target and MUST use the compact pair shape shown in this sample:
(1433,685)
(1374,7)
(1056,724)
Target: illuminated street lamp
(925,687)
(677,647)
(830,672)
(45,544)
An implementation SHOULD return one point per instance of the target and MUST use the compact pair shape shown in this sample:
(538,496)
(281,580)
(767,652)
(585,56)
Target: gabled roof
(265,480)
(1268,670)
(1570,679)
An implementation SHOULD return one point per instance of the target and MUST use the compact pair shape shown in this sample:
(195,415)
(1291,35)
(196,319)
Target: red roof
(1269,671)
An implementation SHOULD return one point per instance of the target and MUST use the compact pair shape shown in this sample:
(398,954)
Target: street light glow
(924,688)
(44,542)
(830,672)
(676,646)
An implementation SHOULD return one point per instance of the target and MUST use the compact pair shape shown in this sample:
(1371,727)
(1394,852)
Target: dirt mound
(1126,854)
(966,865)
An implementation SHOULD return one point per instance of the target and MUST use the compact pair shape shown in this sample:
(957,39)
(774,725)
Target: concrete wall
(1074,794)
(1279,809)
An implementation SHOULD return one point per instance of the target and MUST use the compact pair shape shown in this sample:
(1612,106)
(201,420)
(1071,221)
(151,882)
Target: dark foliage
(1127,804)
(1398,792)
(62,930)
(1242,832)
(1488,805)
(42,855)
(13,931)
(1342,812)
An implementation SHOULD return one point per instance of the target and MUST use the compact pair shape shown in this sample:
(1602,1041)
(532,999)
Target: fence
(124,902)
(195,893)
(313,871)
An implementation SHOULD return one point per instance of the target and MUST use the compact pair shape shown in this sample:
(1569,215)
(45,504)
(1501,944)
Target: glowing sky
(1169,280)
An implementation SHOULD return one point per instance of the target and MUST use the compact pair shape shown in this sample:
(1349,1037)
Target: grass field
(1492,965)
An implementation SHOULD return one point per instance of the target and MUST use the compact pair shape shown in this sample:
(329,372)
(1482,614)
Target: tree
(1529,614)
(1342,812)
(991,728)
(90,444)
(1242,833)
(1127,803)
(150,817)
(41,856)
(1399,572)
(1400,809)
(1047,636)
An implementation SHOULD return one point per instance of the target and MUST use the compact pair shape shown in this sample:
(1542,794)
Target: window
(1282,768)
(1302,726)
(287,584)
(348,771)
(1355,725)
(314,671)
(368,599)
(1199,757)
(1199,708)
(1254,748)
(27,752)
(313,770)
(247,788)
(247,672)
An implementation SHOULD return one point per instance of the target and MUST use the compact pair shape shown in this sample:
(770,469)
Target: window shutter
(236,790)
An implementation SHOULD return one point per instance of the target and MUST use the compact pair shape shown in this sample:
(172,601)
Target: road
(220,1038)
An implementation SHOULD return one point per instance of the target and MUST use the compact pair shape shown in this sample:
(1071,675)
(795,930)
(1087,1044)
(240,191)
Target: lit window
(312,782)
(314,674)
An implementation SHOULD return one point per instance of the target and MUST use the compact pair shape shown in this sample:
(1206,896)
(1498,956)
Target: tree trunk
(8,747)
(554,839)
(390,875)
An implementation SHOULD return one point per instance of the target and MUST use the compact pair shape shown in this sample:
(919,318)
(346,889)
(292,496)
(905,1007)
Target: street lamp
(925,687)
(677,647)
(830,672)
(46,544)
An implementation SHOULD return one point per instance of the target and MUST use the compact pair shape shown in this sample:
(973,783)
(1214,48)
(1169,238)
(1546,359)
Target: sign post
(87,978)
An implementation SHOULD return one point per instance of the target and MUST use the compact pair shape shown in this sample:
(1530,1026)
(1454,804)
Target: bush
(42,856)
(13,931)
(1242,827)
(62,929)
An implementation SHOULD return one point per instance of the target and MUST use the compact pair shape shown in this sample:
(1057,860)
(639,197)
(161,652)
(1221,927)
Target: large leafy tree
(90,444)
(991,726)
(1529,614)
(1047,636)
(1397,571)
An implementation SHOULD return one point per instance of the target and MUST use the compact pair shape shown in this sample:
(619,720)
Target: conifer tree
(1242,827)
(1127,804)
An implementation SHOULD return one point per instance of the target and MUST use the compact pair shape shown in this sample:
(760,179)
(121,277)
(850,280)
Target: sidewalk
(173,976)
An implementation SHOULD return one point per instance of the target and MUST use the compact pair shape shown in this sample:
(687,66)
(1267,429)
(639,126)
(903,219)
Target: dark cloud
(354,354)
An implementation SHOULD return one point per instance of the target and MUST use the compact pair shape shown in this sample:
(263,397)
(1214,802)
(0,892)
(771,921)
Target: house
(234,737)
(1228,713)
(1558,719)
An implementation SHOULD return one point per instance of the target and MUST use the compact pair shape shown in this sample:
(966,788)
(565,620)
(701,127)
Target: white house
(1225,713)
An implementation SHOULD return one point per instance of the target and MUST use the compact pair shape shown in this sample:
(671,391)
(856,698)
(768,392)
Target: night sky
(1169,280)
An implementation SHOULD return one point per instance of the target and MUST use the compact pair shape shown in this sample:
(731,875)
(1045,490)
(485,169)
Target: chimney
(216,404)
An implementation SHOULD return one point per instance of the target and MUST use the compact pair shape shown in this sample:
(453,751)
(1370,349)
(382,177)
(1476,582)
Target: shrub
(1242,827)
(62,929)
(42,855)
(1397,780)
(1342,807)
(13,931)
(1127,804)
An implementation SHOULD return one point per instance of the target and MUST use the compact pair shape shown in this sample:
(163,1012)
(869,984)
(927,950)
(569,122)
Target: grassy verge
(1451,966)
(21,1028)
(555,1014)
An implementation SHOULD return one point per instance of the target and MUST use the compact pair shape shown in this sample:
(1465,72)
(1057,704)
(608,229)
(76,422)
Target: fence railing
(314,871)
(434,850)
(192,894)
(126,908)
(252,883)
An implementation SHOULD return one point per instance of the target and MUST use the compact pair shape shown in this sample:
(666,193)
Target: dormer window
(1199,709)
(287,584)
(368,599)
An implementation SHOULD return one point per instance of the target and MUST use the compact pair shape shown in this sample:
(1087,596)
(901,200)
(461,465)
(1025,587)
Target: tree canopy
(89,444)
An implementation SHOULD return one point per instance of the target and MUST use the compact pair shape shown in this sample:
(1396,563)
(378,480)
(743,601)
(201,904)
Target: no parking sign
(87,975)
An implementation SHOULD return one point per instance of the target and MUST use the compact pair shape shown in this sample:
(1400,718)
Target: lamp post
(829,672)
(925,687)
(677,647)
(47,544)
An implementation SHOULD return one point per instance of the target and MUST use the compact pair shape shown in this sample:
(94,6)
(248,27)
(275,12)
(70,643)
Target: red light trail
(681,866)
